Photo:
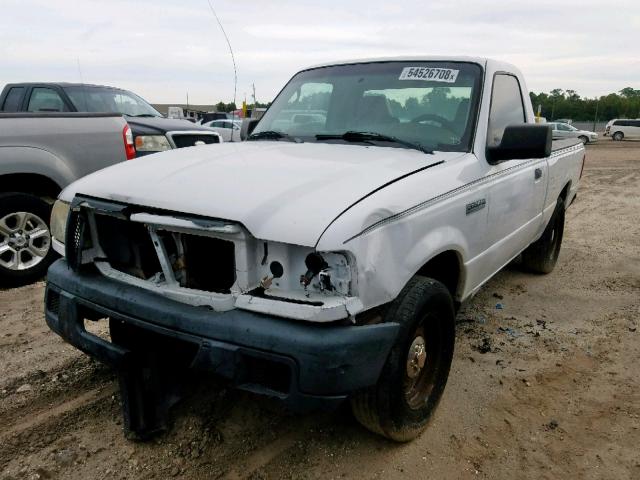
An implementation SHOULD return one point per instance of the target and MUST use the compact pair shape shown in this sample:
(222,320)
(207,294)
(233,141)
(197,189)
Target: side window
(45,100)
(635,123)
(12,100)
(506,107)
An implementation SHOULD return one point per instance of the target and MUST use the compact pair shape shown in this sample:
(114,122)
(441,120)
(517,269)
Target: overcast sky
(162,49)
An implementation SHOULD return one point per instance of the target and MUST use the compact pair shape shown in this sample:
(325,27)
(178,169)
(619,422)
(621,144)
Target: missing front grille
(128,246)
(209,263)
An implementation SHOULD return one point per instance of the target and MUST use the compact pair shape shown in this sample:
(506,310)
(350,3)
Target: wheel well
(32,183)
(446,268)
(565,192)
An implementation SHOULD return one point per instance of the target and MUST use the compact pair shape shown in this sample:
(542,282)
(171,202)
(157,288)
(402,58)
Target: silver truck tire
(25,239)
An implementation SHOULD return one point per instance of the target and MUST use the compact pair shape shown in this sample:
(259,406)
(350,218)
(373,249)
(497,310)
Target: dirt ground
(544,387)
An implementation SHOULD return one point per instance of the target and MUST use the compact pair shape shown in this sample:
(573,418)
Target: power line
(233,58)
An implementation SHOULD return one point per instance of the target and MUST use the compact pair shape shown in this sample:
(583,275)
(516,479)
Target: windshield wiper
(272,135)
(354,136)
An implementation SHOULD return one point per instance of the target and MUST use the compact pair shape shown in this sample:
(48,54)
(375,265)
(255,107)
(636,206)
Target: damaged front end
(208,262)
(150,273)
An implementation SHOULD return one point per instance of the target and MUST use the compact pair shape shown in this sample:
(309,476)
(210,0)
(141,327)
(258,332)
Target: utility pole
(255,102)
(595,118)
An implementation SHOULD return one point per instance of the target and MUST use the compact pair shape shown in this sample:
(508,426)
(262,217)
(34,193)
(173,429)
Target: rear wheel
(618,136)
(413,378)
(541,256)
(25,240)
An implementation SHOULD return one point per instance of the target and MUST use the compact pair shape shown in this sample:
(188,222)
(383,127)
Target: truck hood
(160,125)
(280,191)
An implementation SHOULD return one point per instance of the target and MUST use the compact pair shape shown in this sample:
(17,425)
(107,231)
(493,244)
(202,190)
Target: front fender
(387,257)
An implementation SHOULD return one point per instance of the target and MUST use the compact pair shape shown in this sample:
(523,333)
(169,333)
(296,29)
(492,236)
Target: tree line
(231,107)
(557,103)
(560,103)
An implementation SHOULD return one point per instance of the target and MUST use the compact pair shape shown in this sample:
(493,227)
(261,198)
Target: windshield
(104,99)
(431,104)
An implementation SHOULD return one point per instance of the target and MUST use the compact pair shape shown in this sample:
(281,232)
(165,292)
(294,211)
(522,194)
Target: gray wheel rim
(25,240)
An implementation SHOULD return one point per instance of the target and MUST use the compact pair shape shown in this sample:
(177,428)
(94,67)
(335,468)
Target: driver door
(518,187)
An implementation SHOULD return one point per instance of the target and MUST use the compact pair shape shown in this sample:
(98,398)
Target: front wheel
(541,256)
(618,136)
(25,239)
(583,139)
(414,376)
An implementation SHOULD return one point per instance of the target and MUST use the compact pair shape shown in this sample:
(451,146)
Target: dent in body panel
(390,254)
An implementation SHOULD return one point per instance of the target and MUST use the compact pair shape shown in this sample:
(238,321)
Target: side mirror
(522,142)
(248,124)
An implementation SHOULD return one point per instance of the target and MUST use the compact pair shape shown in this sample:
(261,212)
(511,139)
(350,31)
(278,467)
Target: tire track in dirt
(40,428)
(262,457)
(36,419)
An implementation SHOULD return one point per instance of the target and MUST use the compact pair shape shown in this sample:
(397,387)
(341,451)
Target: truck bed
(564,143)
(61,146)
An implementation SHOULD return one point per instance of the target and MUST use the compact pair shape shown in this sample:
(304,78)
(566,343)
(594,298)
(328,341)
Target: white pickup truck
(325,257)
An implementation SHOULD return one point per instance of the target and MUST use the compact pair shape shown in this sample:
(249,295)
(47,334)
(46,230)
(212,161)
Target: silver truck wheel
(25,239)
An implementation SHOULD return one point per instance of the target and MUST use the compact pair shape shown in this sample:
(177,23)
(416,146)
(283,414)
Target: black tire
(11,203)
(583,139)
(618,136)
(399,407)
(541,256)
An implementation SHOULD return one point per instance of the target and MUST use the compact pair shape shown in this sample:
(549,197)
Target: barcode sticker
(432,74)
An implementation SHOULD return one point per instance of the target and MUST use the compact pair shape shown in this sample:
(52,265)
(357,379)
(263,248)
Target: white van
(621,128)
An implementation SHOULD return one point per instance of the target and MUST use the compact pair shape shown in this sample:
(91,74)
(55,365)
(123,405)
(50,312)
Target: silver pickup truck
(40,154)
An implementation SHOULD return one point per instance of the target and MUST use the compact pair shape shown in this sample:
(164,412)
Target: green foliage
(225,107)
(230,107)
(560,103)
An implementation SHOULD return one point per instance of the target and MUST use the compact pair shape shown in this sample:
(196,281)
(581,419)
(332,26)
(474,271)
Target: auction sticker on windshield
(432,74)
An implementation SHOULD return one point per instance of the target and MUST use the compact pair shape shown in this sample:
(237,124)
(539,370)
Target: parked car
(564,130)
(321,260)
(208,116)
(229,130)
(621,128)
(151,131)
(40,154)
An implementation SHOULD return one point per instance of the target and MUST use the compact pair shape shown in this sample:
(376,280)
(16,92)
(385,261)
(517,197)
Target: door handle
(538,173)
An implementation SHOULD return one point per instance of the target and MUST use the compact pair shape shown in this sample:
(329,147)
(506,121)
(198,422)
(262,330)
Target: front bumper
(315,364)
